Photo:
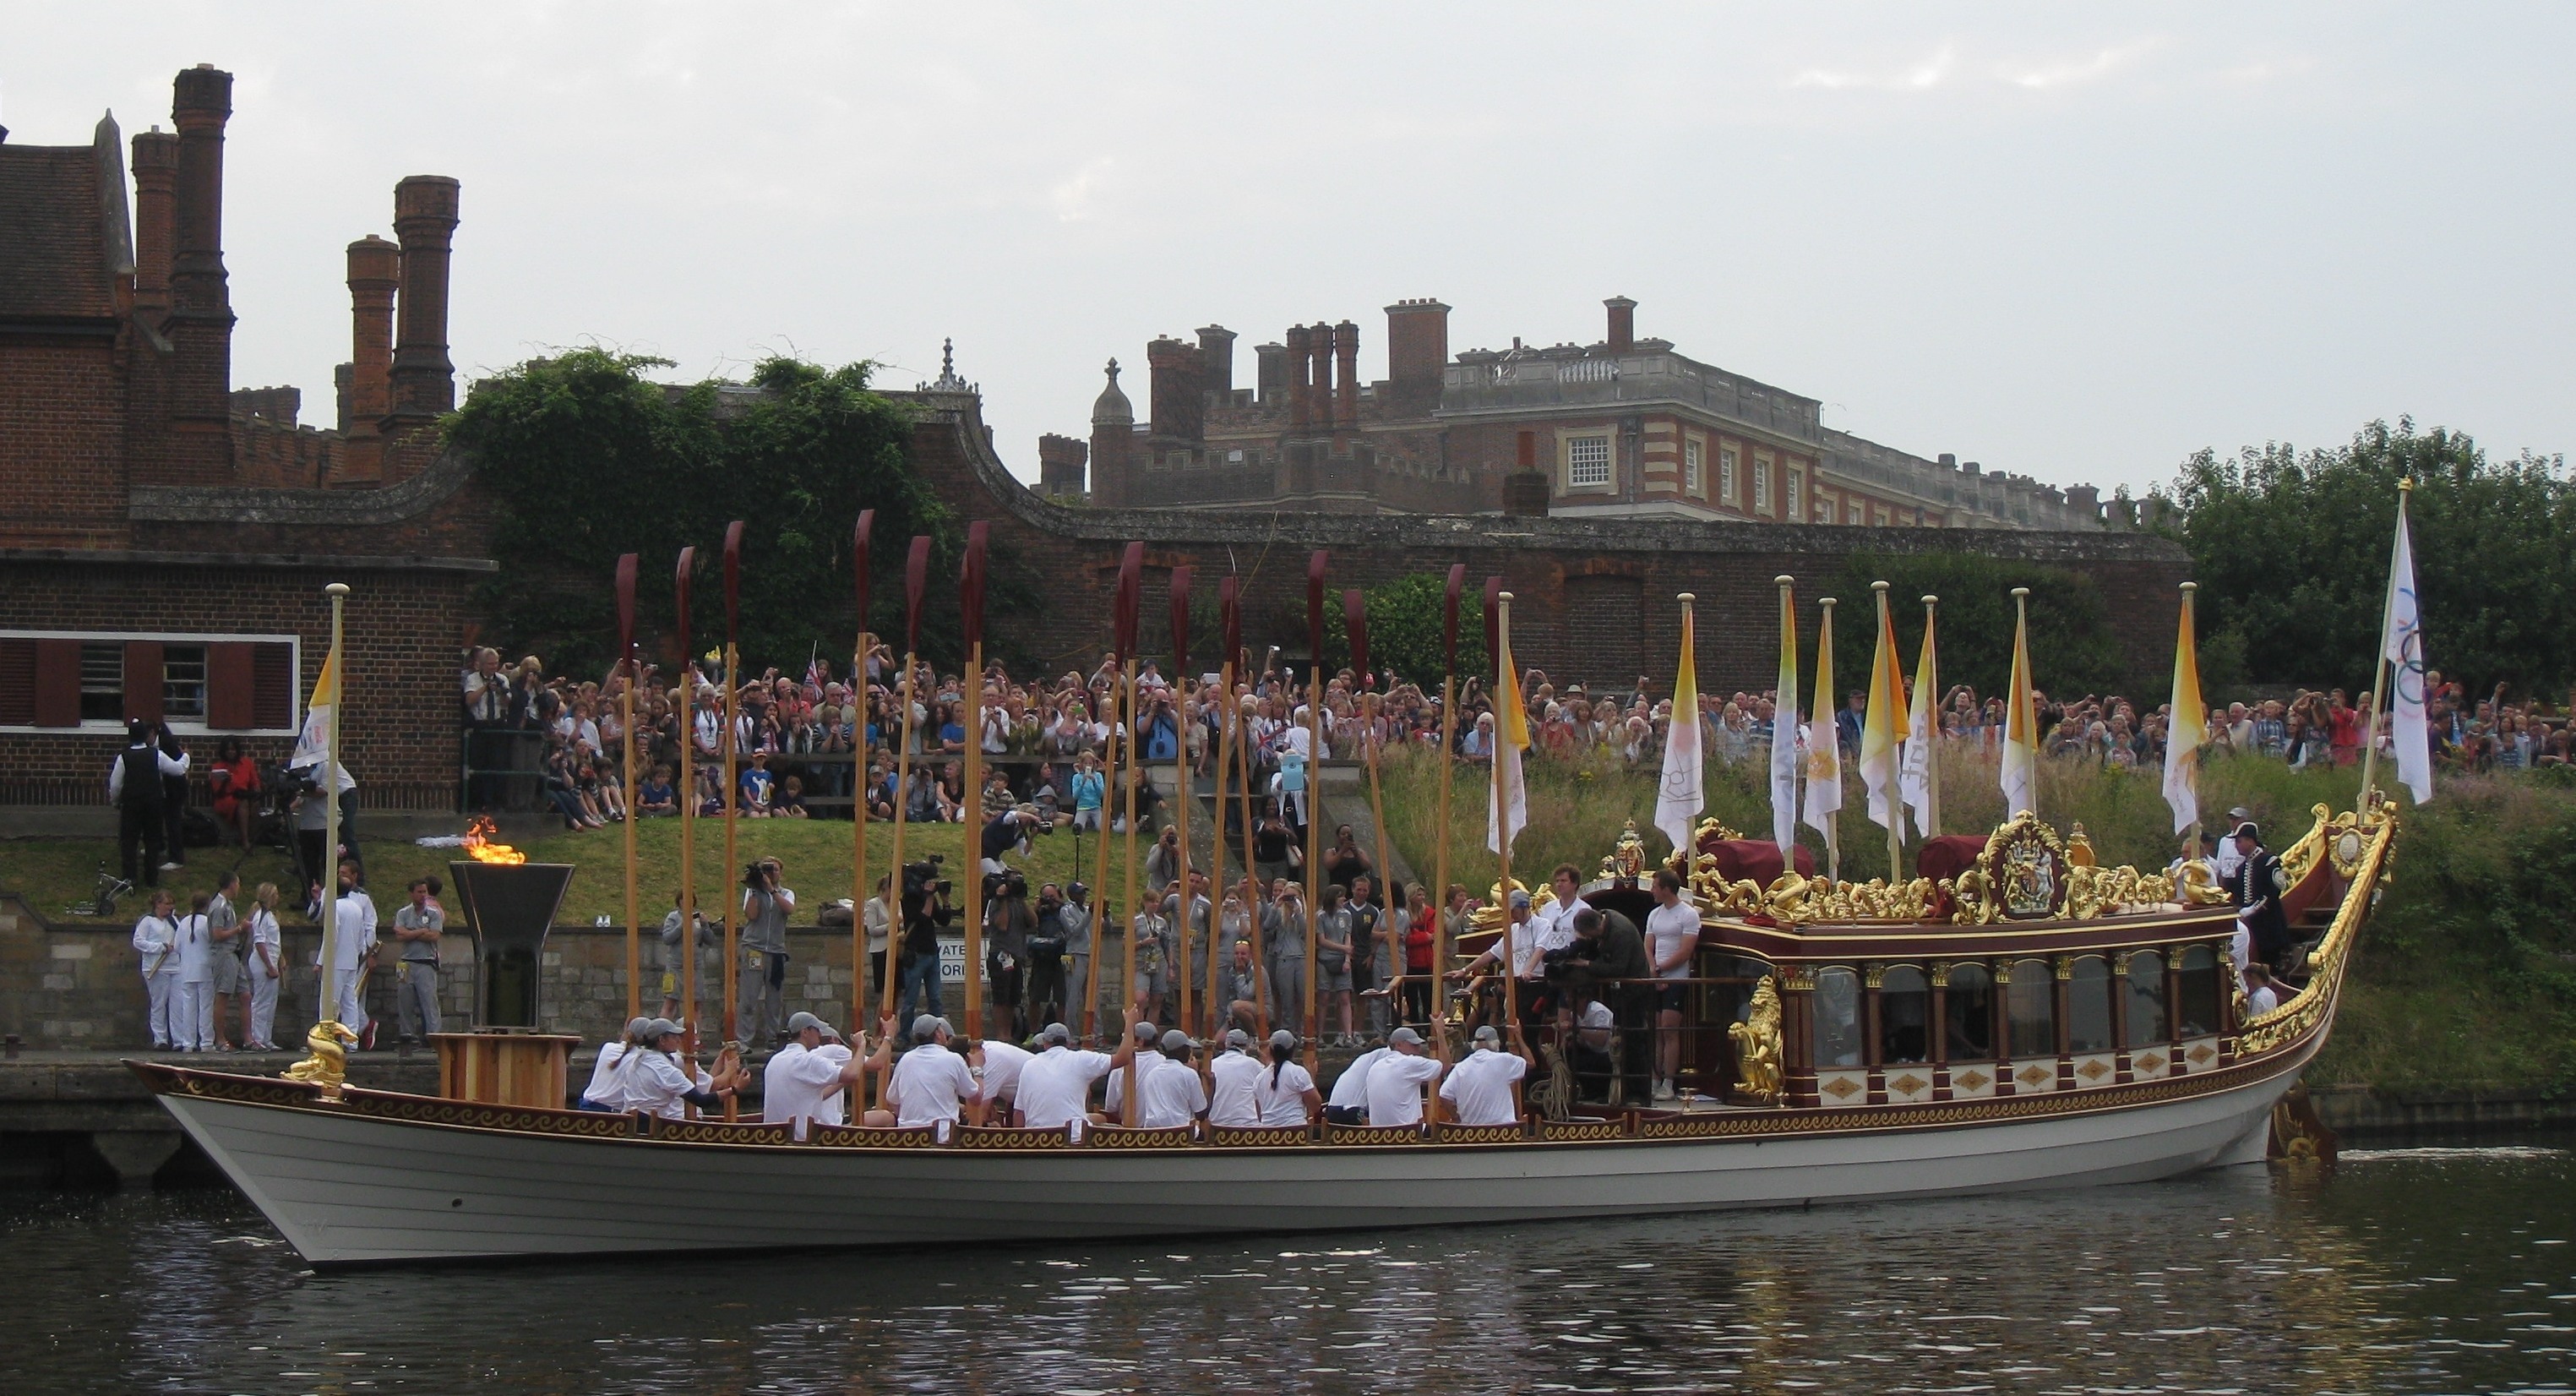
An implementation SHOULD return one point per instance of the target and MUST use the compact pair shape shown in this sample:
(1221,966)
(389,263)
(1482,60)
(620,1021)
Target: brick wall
(62,470)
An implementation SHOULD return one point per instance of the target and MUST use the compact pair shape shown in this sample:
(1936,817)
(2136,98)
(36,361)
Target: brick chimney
(1113,440)
(1216,362)
(1319,392)
(200,326)
(375,269)
(1301,360)
(1623,324)
(1417,352)
(156,215)
(1525,490)
(424,380)
(1174,400)
(1346,391)
(1270,372)
(1060,463)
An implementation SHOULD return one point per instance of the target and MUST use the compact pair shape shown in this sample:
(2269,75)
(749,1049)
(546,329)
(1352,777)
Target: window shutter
(58,667)
(272,687)
(229,701)
(143,680)
(17,683)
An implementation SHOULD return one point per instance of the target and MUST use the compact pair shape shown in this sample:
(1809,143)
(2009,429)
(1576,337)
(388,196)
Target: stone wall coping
(1304,527)
(395,503)
(355,562)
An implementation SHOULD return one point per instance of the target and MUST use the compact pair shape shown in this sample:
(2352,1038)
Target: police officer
(135,785)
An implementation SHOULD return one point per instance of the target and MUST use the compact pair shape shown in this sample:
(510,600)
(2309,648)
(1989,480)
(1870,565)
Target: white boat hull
(349,1188)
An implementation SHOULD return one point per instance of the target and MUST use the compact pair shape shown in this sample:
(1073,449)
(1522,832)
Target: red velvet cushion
(1754,860)
(1948,855)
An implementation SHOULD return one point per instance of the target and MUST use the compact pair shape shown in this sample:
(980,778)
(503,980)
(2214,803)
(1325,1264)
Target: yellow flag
(2189,723)
(1883,724)
(312,741)
(1824,747)
(2021,721)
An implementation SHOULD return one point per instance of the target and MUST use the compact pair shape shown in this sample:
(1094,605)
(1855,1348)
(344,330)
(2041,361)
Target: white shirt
(2261,1000)
(653,1083)
(353,918)
(1003,1063)
(1055,1086)
(1480,1088)
(1282,1103)
(193,946)
(1233,1099)
(2226,860)
(1350,1089)
(1171,1097)
(931,1086)
(1668,930)
(803,1085)
(1521,938)
(153,938)
(263,931)
(1395,1088)
(1148,1062)
(875,917)
(2240,948)
(603,1087)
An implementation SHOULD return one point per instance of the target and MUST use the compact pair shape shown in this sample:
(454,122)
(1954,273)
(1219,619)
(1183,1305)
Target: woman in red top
(1420,938)
(234,782)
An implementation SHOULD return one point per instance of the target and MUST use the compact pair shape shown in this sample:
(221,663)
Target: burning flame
(483,848)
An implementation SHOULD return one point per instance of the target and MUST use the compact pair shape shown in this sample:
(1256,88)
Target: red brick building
(164,539)
(1624,427)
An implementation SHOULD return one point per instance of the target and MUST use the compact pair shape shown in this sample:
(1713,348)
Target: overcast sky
(2073,241)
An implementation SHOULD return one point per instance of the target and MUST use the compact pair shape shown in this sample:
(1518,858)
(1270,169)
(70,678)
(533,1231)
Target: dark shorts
(1345,1115)
(1672,998)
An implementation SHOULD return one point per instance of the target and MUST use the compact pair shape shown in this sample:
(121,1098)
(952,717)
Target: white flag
(1679,798)
(2403,647)
(1785,755)
(1506,796)
(312,744)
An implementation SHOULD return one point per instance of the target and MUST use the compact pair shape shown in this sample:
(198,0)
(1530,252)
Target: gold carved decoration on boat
(328,1067)
(1627,860)
(1758,1052)
(2303,1011)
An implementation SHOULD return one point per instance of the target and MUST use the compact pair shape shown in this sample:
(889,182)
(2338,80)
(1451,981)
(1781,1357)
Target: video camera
(922,878)
(1561,962)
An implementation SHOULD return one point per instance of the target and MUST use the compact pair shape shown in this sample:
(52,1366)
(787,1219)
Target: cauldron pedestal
(505,1066)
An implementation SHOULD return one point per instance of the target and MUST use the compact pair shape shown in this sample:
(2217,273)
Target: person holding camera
(1616,969)
(1008,925)
(1074,919)
(691,962)
(925,910)
(761,1013)
(1043,992)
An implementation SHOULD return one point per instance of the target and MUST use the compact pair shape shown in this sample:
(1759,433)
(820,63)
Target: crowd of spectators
(814,744)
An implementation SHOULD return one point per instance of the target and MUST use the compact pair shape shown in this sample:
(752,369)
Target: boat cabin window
(2032,1007)
(2196,1006)
(1838,1035)
(2088,1006)
(1968,1019)
(1904,1015)
(2146,998)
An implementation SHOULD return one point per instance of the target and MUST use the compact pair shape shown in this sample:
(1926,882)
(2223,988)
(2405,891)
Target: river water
(2400,1271)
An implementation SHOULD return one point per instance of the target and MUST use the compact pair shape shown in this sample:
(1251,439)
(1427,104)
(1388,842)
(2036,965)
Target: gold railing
(2327,963)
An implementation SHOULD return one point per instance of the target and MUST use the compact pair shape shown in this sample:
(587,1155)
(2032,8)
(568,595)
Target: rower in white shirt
(931,1085)
(1173,1096)
(602,1092)
(1348,1104)
(1284,1092)
(1479,1088)
(997,1069)
(1233,1079)
(1395,1080)
(652,1080)
(803,1082)
(1054,1088)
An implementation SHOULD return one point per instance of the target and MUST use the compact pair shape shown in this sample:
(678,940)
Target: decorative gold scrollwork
(1758,1046)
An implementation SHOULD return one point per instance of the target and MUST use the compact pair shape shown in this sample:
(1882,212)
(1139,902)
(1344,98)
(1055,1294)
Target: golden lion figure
(329,1065)
(1757,1045)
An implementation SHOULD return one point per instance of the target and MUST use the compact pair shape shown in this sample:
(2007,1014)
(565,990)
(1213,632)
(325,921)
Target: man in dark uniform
(134,786)
(2256,890)
(1620,966)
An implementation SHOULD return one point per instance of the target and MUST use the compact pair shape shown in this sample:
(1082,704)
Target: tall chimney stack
(200,327)
(1174,398)
(1270,373)
(1300,359)
(424,380)
(1346,391)
(1623,324)
(1417,354)
(1216,351)
(375,268)
(156,215)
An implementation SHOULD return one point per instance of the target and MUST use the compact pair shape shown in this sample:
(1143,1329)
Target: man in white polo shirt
(1172,1096)
(1395,1081)
(931,1085)
(1479,1089)
(1055,1085)
(1234,1078)
(1348,1104)
(803,1083)
(997,1067)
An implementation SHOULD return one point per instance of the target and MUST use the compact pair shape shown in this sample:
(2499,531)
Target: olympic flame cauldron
(509,904)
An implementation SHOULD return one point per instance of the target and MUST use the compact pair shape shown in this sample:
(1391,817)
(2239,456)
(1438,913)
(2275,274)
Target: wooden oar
(1371,708)
(732,795)
(1230,615)
(1182,795)
(1315,565)
(626,719)
(1440,951)
(916,576)
(970,589)
(684,701)
(859,889)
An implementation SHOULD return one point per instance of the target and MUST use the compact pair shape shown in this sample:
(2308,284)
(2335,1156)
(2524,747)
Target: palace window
(102,682)
(1852,509)
(1797,495)
(1587,462)
(58,681)
(1761,484)
(1728,491)
(1824,509)
(1693,482)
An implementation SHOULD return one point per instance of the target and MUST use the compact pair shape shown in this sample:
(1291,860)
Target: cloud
(2071,72)
(1928,74)
(1074,197)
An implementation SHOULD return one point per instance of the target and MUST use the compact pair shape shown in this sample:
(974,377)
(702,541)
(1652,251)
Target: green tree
(2072,648)
(2292,550)
(586,460)
(1404,623)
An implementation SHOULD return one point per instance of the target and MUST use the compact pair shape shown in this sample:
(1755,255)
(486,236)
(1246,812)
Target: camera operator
(1075,919)
(1618,973)
(925,910)
(1008,832)
(761,1014)
(1008,925)
(1043,993)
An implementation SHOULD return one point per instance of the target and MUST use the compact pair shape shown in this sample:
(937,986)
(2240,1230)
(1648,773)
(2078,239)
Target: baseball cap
(1407,1036)
(927,1026)
(1144,1032)
(1486,1033)
(1055,1032)
(800,1022)
(635,1026)
(1519,899)
(662,1027)
(1283,1038)
(1177,1041)
(1237,1037)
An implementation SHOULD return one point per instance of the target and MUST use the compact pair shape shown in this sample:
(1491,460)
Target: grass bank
(2467,977)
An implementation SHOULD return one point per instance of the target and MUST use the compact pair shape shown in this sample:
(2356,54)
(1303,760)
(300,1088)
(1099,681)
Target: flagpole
(1100,854)
(1314,792)
(329,899)
(685,702)
(2379,667)
(1217,946)
(1503,829)
(1825,720)
(1888,678)
(1930,679)
(859,888)
(1440,952)
(1784,728)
